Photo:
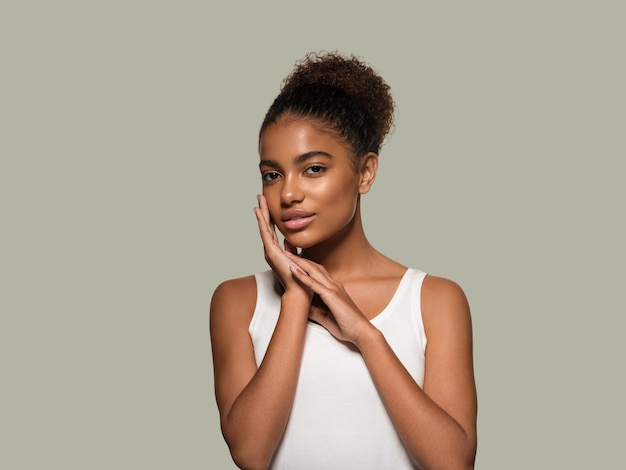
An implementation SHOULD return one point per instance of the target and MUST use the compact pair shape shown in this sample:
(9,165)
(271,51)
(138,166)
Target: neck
(346,254)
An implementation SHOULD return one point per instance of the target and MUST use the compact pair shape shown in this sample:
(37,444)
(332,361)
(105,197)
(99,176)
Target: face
(309,182)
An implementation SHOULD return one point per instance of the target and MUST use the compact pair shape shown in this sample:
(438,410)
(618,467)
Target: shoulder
(439,289)
(234,289)
(233,300)
(444,306)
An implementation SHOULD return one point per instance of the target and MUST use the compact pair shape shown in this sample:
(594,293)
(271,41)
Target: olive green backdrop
(128,173)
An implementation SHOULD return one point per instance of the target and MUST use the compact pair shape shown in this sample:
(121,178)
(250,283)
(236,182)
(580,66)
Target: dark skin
(337,264)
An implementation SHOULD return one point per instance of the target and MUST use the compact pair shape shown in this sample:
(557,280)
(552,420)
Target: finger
(310,266)
(306,279)
(266,215)
(268,237)
(263,219)
(263,226)
(264,209)
(313,270)
(263,213)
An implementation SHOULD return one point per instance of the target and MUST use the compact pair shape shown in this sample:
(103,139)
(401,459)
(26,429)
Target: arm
(437,423)
(254,404)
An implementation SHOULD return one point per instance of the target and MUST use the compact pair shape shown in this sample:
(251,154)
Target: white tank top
(338,420)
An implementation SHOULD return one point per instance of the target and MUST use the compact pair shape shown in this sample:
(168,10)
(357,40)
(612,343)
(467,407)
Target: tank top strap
(265,314)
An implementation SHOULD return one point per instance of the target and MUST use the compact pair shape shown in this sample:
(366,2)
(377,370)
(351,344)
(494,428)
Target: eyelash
(320,168)
(271,176)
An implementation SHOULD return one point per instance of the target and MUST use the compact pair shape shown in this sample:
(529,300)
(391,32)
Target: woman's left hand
(338,314)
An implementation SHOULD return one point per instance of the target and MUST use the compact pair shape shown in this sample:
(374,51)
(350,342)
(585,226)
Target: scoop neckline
(386,311)
(380,316)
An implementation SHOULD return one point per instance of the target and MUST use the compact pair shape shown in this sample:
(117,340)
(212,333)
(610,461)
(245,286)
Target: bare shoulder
(444,304)
(441,293)
(233,301)
(241,290)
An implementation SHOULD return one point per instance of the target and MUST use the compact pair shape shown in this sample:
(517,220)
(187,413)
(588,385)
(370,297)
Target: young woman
(337,357)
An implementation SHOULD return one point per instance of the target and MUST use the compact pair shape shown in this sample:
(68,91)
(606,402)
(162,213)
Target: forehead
(289,138)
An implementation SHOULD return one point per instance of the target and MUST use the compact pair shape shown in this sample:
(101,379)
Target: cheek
(342,194)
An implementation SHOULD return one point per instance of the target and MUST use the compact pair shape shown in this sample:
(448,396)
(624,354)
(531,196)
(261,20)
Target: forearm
(432,437)
(256,420)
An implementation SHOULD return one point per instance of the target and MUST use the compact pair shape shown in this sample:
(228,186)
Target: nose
(291,192)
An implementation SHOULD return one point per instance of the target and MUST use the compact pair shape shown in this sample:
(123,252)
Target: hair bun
(350,74)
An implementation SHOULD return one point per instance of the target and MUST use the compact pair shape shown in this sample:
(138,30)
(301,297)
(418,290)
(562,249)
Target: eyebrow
(299,159)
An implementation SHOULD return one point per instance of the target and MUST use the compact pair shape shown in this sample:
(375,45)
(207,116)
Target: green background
(128,173)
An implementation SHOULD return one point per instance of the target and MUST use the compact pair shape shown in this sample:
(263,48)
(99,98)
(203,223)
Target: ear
(369,167)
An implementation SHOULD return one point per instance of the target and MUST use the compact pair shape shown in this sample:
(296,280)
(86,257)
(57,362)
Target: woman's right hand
(274,254)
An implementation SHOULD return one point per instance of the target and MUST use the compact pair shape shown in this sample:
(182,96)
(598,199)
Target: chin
(301,243)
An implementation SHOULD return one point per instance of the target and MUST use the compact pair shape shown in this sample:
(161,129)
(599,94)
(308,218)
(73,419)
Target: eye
(270,176)
(315,170)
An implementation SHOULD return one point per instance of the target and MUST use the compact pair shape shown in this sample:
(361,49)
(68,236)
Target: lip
(296,220)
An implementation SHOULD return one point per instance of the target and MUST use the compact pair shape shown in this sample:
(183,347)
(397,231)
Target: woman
(337,357)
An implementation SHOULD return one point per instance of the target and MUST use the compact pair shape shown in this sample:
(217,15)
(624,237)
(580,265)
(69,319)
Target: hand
(336,312)
(276,256)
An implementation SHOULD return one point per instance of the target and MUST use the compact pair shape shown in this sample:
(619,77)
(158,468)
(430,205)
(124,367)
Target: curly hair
(343,94)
